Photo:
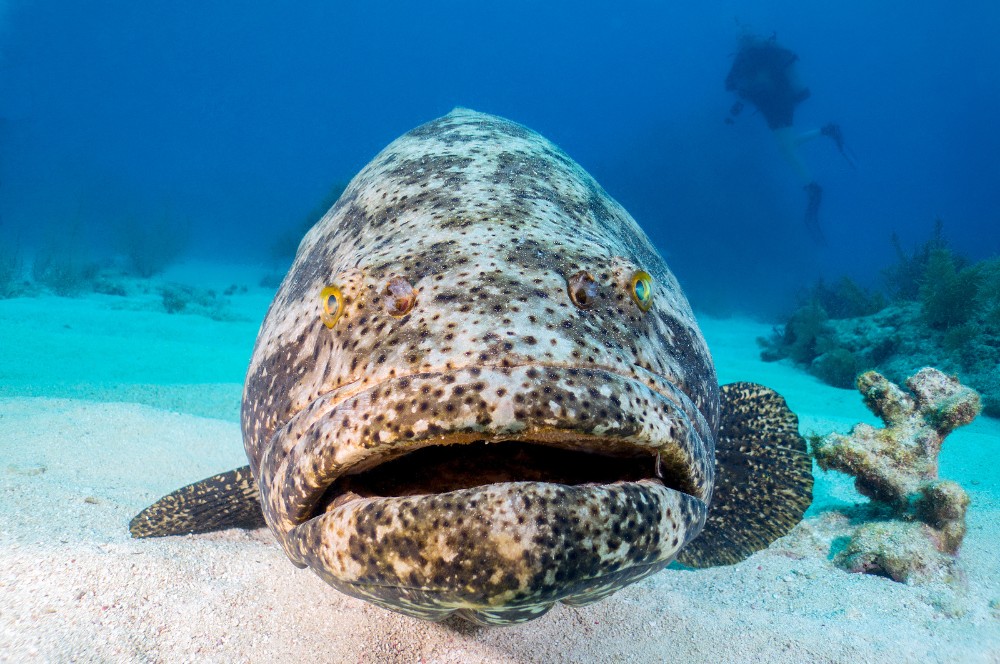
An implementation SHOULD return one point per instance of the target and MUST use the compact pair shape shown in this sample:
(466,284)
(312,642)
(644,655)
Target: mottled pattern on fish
(479,391)
(487,221)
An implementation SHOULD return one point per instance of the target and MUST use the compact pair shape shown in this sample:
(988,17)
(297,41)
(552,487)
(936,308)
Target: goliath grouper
(480,391)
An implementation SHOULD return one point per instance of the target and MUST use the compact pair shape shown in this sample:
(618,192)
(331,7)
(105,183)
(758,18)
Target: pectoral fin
(763,477)
(229,500)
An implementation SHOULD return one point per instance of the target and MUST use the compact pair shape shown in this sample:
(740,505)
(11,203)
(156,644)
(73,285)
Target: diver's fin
(833,130)
(763,478)
(815,197)
(229,500)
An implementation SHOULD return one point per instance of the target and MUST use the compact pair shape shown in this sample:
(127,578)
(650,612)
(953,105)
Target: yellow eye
(641,290)
(400,296)
(333,305)
(582,289)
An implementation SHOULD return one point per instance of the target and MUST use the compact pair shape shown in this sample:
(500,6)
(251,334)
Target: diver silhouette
(763,74)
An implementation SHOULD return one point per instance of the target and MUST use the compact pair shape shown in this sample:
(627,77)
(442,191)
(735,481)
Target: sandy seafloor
(108,402)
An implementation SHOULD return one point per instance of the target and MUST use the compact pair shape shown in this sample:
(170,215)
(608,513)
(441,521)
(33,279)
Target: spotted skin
(517,545)
(481,225)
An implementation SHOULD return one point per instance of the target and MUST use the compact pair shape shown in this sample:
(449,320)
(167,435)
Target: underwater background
(232,122)
(160,161)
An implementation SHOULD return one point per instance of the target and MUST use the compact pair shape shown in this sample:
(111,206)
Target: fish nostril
(400,296)
(582,289)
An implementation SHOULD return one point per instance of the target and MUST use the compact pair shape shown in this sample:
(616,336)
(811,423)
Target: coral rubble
(898,466)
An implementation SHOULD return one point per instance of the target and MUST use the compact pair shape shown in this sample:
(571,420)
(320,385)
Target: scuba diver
(763,74)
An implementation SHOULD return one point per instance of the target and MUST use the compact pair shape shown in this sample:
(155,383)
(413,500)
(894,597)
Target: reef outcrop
(897,468)
(939,309)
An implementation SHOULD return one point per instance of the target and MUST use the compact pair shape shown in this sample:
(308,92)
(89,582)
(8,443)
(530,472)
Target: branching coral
(898,466)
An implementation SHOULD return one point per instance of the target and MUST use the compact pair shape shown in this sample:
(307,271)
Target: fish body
(480,391)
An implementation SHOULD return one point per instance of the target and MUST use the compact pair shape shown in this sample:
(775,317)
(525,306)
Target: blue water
(231,121)
(237,117)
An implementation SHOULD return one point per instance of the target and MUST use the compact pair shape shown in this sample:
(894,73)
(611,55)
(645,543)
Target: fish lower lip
(573,410)
(518,545)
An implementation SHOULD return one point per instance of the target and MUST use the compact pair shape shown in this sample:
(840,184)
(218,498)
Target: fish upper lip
(305,457)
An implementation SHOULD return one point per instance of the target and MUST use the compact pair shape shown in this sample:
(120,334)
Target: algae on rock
(898,466)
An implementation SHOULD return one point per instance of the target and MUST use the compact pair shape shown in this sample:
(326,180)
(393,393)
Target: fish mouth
(493,492)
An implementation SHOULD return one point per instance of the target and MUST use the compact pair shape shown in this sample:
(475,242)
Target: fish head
(479,389)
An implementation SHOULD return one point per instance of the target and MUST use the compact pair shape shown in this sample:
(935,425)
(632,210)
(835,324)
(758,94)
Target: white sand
(107,404)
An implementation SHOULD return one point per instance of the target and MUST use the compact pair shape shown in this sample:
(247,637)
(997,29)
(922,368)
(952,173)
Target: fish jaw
(432,552)
(502,553)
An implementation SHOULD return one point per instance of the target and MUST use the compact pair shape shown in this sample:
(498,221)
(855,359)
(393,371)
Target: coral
(941,280)
(805,333)
(898,466)
(988,296)
(957,329)
(61,264)
(948,293)
(897,341)
(904,278)
(945,313)
(903,551)
(110,283)
(845,299)
(804,337)
(808,339)
(837,367)
(175,298)
(189,299)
